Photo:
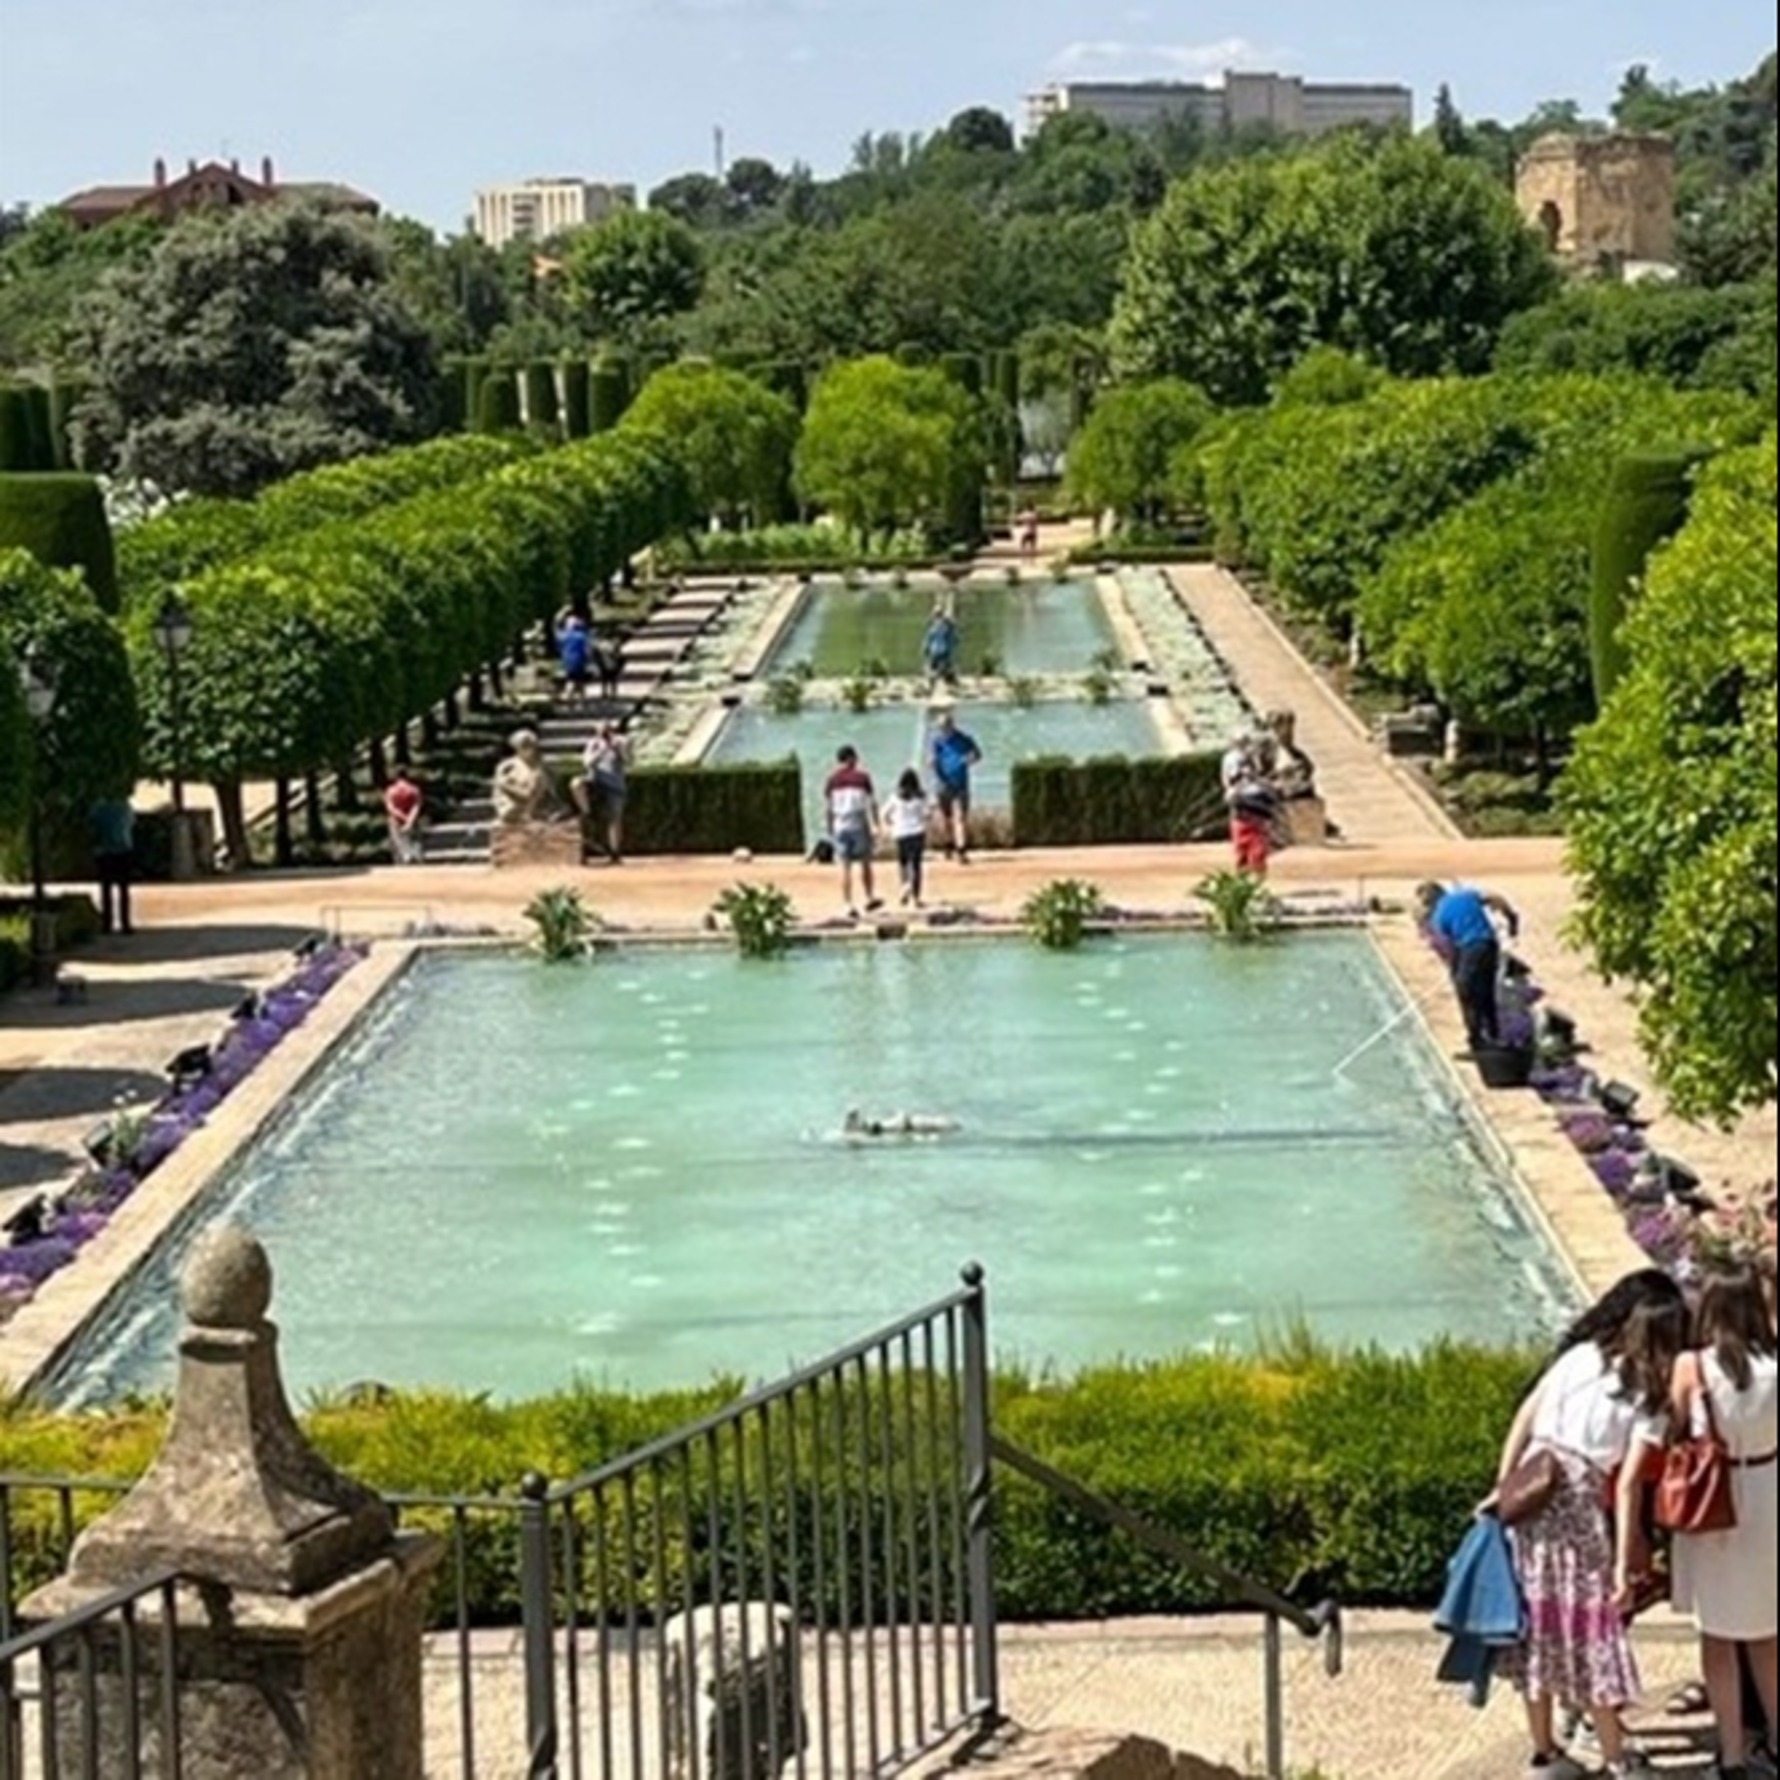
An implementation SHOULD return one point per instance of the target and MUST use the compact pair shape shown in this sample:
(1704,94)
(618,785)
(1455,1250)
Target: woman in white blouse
(1602,1403)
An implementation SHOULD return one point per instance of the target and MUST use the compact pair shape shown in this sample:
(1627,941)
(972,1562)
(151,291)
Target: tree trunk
(233,812)
(379,764)
(404,746)
(316,829)
(452,715)
(284,852)
(477,699)
(497,682)
(346,797)
(429,729)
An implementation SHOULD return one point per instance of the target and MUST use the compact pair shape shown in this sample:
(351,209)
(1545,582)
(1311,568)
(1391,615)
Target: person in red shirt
(404,803)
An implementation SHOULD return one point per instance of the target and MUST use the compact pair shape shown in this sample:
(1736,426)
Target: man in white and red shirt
(852,804)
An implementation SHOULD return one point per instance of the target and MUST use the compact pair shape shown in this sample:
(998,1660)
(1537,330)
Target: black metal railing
(803,1584)
(1321,1623)
(96,1692)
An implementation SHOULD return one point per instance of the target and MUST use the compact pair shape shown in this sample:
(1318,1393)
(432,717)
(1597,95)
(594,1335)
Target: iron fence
(96,1692)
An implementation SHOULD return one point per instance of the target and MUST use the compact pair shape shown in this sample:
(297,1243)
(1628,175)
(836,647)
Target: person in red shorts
(1253,804)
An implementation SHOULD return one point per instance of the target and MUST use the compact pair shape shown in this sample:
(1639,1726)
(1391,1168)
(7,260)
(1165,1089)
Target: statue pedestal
(521,846)
(1306,822)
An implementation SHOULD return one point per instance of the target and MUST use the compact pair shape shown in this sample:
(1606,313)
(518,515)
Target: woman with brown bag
(1729,1389)
(1600,1405)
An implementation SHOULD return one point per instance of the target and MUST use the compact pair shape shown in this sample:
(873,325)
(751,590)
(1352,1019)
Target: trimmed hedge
(577,412)
(609,394)
(1353,1475)
(1118,802)
(61,520)
(715,809)
(497,402)
(543,409)
(1645,503)
(25,429)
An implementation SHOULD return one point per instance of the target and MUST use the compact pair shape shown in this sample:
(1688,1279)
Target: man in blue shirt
(954,754)
(114,857)
(940,646)
(1461,924)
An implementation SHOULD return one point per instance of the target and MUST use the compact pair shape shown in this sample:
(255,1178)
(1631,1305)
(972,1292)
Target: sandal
(1691,1702)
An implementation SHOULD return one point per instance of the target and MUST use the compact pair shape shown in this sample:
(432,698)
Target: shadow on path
(42,1095)
(187,945)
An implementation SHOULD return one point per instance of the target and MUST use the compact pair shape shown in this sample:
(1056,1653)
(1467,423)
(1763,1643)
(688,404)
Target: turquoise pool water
(1039,627)
(632,1171)
(893,737)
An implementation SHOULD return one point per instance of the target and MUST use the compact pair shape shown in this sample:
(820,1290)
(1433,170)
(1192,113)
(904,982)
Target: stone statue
(525,790)
(1291,769)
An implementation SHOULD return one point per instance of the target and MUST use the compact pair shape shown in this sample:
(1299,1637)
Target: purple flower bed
(88,1209)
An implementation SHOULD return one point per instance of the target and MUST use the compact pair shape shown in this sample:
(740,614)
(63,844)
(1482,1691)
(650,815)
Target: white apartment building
(536,209)
(1281,102)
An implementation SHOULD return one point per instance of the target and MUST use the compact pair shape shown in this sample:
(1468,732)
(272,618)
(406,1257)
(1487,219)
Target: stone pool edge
(1554,1183)
(40,1336)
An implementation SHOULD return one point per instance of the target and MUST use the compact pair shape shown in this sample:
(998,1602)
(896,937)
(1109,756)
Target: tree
(1327,377)
(1669,331)
(1391,249)
(632,272)
(47,268)
(755,185)
(1449,124)
(980,130)
(15,748)
(734,436)
(885,446)
(695,199)
(249,347)
(1671,801)
(1123,460)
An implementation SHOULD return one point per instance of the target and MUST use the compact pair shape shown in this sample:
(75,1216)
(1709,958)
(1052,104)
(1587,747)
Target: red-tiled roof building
(210,186)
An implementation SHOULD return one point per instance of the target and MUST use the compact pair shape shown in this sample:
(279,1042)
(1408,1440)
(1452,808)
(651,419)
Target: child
(906,816)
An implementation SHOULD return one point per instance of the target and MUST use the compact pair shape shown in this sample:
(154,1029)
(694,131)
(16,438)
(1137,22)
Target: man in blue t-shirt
(1461,924)
(954,754)
(939,647)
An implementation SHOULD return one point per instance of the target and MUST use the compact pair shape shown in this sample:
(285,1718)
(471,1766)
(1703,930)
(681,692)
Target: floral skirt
(1578,1648)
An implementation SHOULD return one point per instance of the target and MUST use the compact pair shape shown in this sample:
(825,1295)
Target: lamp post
(38,680)
(173,631)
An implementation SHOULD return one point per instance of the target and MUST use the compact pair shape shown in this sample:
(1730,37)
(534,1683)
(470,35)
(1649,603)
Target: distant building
(1281,102)
(536,209)
(1602,203)
(210,186)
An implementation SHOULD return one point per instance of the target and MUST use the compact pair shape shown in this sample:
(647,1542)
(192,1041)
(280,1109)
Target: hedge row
(33,428)
(203,534)
(305,650)
(61,520)
(1320,1474)
(708,810)
(1117,802)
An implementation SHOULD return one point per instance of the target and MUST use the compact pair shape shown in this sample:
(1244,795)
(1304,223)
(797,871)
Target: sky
(421,101)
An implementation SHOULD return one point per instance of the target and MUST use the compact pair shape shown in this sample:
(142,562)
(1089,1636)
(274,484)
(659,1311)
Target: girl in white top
(907,816)
(1728,1581)
(1598,1408)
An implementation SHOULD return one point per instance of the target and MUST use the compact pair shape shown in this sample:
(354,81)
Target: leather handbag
(1697,1493)
(1530,1488)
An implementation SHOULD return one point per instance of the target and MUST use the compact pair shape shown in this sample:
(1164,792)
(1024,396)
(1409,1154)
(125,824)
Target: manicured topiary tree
(15,749)
(543,409)
(609,393)
(61,520)
(497,402)
(1646,503)
(18,431)
(577,413)
(454,413)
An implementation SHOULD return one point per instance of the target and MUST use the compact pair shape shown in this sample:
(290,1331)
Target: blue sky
(420,101)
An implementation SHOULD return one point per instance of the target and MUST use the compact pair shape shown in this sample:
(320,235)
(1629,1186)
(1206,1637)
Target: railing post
(1276,1699)
(537,1608)
(980,1500)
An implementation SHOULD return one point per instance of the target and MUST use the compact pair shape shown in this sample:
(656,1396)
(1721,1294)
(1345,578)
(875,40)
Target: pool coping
(1551,1183)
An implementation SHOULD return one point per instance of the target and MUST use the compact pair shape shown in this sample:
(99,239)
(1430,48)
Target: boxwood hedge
(1117,802)
(61,520)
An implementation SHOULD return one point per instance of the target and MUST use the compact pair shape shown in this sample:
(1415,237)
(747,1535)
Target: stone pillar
(300,1631)
(729,1713)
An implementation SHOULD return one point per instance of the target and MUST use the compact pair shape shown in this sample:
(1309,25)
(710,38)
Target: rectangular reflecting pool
(891,738)
(636,1171)
(1039,627)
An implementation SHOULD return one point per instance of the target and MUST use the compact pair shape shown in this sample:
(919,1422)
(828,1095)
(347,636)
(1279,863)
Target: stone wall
(1601,200)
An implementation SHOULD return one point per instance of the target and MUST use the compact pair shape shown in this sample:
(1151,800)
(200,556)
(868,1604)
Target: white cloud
(1117,57)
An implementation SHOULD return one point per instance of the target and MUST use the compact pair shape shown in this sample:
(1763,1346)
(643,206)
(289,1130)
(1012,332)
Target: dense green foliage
(1114,802)
(1645,503)
(15,750)
(712,810)
(1126,460)
(734,435)
(27,432)
(1392,249)
(61,520)
(1672,800)
(88,748)
(1321,1474)
(246,348)
(632,273)
(886,446)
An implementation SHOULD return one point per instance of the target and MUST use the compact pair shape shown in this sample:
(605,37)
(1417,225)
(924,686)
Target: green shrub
(565,925)
(1057,915)
(497,402)
(76,915)
(1645,503)
(18,446)
(61,520)
(577,414)
(1240,905)
(1117,802)
(1319,1473)
(543,408)
(715,809)
(609,394)
(762,918)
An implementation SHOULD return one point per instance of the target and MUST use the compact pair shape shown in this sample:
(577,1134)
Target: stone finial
(227,1282)
(237,1495)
